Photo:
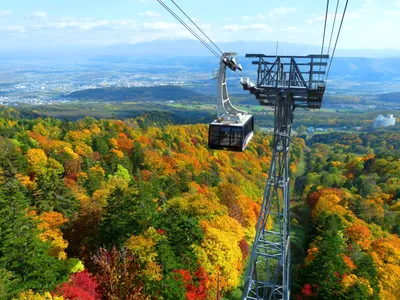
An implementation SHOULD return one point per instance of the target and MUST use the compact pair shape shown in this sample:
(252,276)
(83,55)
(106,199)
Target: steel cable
(197,26)
(333,26)
(188,28)
(323,37)
(337,39)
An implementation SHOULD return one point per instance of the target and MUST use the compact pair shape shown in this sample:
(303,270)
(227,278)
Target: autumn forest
(142,209)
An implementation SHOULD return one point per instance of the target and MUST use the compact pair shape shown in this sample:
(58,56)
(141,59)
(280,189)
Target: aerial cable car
(233,128)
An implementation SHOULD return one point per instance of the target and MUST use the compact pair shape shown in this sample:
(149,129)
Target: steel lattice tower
(283,86)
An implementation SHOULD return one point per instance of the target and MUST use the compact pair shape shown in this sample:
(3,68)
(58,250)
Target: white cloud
(398,3)
(150,14)
(293,29)
(86,25)
(331,17)
(36,15)
(249,18)
(5,13)
(161,25)
(13,28)
(79,25)
(75,25)
(254,27)
(391,13)
(280,11)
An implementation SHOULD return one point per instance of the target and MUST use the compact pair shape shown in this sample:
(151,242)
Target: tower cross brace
(283,86)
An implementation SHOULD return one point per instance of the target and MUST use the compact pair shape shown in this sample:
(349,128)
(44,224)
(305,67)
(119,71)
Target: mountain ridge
(189,47)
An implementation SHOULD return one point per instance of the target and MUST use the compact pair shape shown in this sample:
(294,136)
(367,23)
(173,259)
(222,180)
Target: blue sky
(27,24)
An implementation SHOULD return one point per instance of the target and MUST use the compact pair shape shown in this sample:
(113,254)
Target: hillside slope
(175,218)
(352,192)
(131,210)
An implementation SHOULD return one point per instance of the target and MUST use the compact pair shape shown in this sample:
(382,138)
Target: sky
(27,24)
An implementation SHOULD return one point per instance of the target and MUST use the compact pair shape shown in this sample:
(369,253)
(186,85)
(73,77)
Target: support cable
(333,26)
(213,51)
(189,28)
(337,39)
(323,37)
(197,26)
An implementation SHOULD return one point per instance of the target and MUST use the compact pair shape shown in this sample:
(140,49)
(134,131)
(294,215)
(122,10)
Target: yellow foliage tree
(352,279)
(199,202)
(37,160)
(360,234)
(220,251)
(389,278)
(143,246)
(31,295)
(50,223)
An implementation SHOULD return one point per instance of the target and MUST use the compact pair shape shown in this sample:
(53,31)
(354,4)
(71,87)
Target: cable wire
(197,26)
(323,37)
(189,28)
(326,20)
(213,51)
(333,26)
(337,39)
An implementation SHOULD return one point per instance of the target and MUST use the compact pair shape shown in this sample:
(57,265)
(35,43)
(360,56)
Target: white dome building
(382,121)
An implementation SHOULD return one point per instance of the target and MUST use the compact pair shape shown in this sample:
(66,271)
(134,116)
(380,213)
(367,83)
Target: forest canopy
(142,209)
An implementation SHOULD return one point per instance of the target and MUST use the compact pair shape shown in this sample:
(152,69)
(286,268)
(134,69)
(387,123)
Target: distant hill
(390,97)
(181,47)
(188,47)
(122,94)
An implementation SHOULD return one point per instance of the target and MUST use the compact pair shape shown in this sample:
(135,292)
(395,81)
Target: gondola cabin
(231,136)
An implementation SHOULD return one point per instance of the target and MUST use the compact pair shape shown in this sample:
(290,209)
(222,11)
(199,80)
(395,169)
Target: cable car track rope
(323,36)
(337,39)
(333,27)
(213,51)
(330,43)
(196,35)
(197,26)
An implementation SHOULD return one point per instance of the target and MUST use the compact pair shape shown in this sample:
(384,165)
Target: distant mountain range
(188,47)
(353,71)
(182,47)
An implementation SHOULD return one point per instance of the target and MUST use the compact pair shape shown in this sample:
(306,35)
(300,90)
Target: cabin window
(225,136)
(236,136)
(249,127)
(214,135)
(214,131)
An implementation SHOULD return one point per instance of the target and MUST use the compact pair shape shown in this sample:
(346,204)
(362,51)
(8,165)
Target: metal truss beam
(268,275)
(303,75)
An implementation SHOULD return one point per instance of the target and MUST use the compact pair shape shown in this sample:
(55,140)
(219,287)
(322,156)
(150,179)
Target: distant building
(382,121)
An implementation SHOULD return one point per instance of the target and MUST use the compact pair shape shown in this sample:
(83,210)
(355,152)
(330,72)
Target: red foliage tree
(118,275)
(307,291)
(195,286)
(244,247)
(80,287)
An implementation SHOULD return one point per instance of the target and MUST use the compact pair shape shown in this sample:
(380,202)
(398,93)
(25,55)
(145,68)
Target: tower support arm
(225,109)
